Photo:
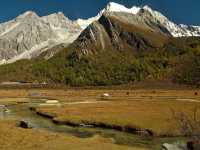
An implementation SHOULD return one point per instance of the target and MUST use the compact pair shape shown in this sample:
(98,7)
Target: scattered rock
(24,124)
(105,96)
(175,146)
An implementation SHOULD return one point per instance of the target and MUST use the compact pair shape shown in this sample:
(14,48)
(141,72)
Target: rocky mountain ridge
(29,35)
(176,30)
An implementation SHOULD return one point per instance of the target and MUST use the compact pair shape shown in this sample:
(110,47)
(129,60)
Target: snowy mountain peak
(150,14)
(111,7)
(115,7)
(59,20)
(156,17)
(28,35)
(30,14)
(147,7)
(60,13)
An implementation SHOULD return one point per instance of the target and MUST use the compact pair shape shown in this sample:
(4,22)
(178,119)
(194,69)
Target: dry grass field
(79,94)
(156,116)
(148,109)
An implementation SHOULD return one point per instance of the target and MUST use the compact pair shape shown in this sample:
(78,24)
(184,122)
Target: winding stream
(22,111)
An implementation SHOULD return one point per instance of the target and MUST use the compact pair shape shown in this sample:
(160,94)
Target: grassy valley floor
(152,109)
(157,117)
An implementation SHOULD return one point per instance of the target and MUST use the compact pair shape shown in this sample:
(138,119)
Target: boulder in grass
(105,96)
(175,146)
(25,125)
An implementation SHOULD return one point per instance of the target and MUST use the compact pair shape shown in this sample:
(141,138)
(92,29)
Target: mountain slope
(172,62)
(117,27)
(112,52)
(120,46)
(113,31)
(29,35)
(154,16)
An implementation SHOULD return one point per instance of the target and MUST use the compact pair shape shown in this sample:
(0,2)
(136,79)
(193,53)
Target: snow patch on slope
(84,23)
(174,29)
(28,54)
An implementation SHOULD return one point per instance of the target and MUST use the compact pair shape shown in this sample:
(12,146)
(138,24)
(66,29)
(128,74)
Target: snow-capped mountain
(111,7)
(136,29)
(28,35)
(174,29)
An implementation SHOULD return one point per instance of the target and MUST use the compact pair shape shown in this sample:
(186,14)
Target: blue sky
(179,11)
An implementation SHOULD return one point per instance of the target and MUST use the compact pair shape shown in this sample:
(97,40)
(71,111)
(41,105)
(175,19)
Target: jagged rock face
(29,35)
(29,31)
(58,20)
(112,31)
(148,16)
(117,27)
(155,17)
(51,51)
(65,28)
(143,19)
